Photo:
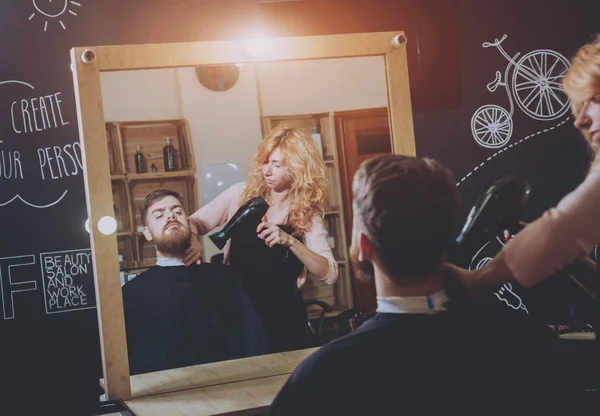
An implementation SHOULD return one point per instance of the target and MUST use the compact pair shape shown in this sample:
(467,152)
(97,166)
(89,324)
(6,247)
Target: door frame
(340,117)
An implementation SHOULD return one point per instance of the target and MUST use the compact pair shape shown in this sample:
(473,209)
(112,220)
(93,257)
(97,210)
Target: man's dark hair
(409,209)
(153,197)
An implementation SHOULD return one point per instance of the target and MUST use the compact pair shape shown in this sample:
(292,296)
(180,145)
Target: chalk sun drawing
(506,293)
(535,87)
(17,196)
(56,10)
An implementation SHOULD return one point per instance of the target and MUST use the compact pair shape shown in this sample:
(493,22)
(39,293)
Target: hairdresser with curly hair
(289,173)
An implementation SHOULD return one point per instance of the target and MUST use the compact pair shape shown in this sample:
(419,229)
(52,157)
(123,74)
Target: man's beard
(175,241)
(363,270)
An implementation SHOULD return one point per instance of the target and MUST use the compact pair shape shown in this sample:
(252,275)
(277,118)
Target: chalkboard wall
(49,354)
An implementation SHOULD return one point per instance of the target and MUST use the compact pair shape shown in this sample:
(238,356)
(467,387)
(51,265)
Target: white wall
(140,95)
(321,86)
(225,126)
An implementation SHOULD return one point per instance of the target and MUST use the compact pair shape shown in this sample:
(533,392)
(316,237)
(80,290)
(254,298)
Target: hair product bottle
(169,156)
(139,161)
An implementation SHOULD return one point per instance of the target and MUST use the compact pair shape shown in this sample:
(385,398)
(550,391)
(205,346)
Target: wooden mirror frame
(86,65)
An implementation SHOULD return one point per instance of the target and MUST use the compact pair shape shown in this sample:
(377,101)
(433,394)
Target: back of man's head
(408,208)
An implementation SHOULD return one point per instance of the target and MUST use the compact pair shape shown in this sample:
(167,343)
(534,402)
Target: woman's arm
(559,237)
(207,218)
(315,254)
(316,241)
(216,211)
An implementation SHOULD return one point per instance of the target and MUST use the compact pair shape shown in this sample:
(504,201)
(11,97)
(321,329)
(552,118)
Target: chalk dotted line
(510,146)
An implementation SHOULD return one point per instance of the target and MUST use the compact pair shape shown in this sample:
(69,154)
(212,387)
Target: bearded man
(177,315)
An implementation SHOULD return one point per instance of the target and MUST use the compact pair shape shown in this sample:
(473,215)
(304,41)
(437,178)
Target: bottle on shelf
(169,156)
(316,137)
(140,166)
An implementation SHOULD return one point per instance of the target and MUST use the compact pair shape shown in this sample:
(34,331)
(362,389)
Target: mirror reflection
(231,192)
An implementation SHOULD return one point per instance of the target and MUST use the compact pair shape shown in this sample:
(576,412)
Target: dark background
(52,361)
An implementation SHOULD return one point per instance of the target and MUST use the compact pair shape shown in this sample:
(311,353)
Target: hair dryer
(246,218)
(498,209)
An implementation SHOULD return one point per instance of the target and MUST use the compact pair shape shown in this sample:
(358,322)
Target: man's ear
(147,233)
(365,248)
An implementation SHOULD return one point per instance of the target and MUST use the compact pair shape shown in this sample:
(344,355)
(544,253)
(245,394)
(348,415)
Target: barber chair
(338,325)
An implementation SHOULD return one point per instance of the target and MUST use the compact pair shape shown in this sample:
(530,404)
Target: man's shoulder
(142,279)
(142,287)
(337,355)
(508,322)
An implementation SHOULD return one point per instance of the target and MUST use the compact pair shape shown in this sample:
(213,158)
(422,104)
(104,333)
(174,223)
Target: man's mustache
(171,223)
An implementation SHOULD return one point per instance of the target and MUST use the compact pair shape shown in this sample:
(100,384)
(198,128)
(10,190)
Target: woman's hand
(194,252)
(481,282)
(272,234)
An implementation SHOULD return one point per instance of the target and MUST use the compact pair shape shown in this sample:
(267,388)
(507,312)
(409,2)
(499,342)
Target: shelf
(152,175)
(125,137)
(130,188)
(158,175)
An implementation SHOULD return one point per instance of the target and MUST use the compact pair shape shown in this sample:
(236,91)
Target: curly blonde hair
(304,168)
(582,80)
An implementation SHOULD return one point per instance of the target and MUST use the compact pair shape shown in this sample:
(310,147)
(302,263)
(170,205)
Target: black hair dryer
(498,209)
(247,217)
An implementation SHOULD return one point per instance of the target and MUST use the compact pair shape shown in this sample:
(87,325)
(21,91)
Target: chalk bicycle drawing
(535,87)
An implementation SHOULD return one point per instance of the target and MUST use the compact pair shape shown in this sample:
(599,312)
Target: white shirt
(167,261)
(429,305)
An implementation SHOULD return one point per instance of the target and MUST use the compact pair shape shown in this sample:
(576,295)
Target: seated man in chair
(179,316)
(420,354)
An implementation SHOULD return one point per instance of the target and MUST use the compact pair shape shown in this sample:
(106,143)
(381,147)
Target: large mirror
(189,118)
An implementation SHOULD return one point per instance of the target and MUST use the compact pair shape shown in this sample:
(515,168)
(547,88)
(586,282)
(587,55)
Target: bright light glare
(257,48)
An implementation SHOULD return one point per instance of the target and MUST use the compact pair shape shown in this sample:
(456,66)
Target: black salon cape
(180,316)
(400,364)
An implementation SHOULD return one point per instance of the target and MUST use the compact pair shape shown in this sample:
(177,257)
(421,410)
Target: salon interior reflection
(195,130)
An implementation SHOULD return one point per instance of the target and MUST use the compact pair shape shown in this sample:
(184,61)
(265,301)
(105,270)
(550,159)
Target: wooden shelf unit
(130,188)
(340,294)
